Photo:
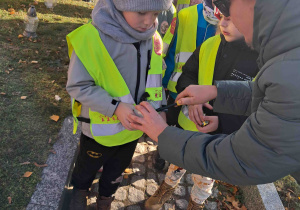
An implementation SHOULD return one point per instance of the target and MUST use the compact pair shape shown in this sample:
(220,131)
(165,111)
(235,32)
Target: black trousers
(173,113)
(92,156)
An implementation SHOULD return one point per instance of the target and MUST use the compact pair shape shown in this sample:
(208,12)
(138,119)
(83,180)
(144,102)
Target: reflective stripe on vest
(109,131)
(207,60)
(170,33)
(181,4)
(186,42)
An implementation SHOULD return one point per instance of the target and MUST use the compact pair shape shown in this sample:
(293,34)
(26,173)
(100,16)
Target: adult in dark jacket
(267,145)
(234,61)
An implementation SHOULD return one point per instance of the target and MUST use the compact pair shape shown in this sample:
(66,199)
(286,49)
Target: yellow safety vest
(109,131)
(207,60)
(181,4)
(186,42)
(170,33)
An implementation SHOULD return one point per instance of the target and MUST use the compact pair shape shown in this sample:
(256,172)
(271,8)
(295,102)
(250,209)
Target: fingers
(181,95)
(207,105)
(197,114)
(135,119)
(145,107)
(186,101)
(191,115)
(128,126)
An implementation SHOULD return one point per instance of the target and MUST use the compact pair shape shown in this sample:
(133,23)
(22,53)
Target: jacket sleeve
(190,72)
(234,97)
(81,86)
(263,150)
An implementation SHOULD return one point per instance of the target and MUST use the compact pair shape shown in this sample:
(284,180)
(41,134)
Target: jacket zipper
(138,72)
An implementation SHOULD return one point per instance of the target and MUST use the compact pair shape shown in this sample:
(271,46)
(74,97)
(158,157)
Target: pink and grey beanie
(142,5)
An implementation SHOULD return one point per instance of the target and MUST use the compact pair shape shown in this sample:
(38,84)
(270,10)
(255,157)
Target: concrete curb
(49,192)
(262,197)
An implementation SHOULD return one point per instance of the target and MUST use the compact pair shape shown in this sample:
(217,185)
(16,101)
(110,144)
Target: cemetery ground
(32,73)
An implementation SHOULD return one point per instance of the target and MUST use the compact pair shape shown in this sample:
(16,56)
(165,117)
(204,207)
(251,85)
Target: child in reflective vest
(115,63)
(195,24)
(229,59)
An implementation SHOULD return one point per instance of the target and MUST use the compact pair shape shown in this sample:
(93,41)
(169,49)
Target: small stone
(161,177)
(138,158)
(121,194)
(141,148)
(169,206)
(180,190)
(139,169)
(151,188)
(211,205)
(135,195)
(151,148)
(117,206)
(138,181)
(133,208)
(182,203)
(151,177)
(189,179)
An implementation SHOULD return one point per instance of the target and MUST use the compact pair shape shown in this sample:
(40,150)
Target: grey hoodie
(267,146)
(81,86)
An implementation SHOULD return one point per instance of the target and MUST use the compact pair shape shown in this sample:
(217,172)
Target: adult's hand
(123,111)
(197,94)
(152,123)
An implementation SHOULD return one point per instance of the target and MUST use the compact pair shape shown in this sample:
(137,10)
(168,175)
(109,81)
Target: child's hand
(212,125)
(123,111)
(196,112)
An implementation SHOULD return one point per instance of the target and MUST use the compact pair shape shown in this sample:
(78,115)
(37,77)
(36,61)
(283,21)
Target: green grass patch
(25,125)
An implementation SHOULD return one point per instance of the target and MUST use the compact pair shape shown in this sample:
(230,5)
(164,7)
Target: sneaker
(104,203)
(78,201)
(158,199)
(194,206)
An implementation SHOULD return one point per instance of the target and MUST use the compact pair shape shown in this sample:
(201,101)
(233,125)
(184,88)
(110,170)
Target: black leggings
(92,156)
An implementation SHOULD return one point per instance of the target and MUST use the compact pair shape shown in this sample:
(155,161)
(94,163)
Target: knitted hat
(142,5)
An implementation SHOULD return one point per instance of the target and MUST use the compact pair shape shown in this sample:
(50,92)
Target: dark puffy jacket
(267,146)
(234,61)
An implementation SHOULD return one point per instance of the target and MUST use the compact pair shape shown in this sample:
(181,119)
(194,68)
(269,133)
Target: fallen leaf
(299,198)
(34,62)
(128,170)
(230,198)
(11,11)
(11,69)
(49,140)
(23,97)
(9,200)
(52,151)
(2,93)
(54,117)
(35,2)
(37,52)
(7,71)
(234,190)
(25,163)
(27,174)
(20,36)
(236,204)
(52,81)
(40,166)
(243,208)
